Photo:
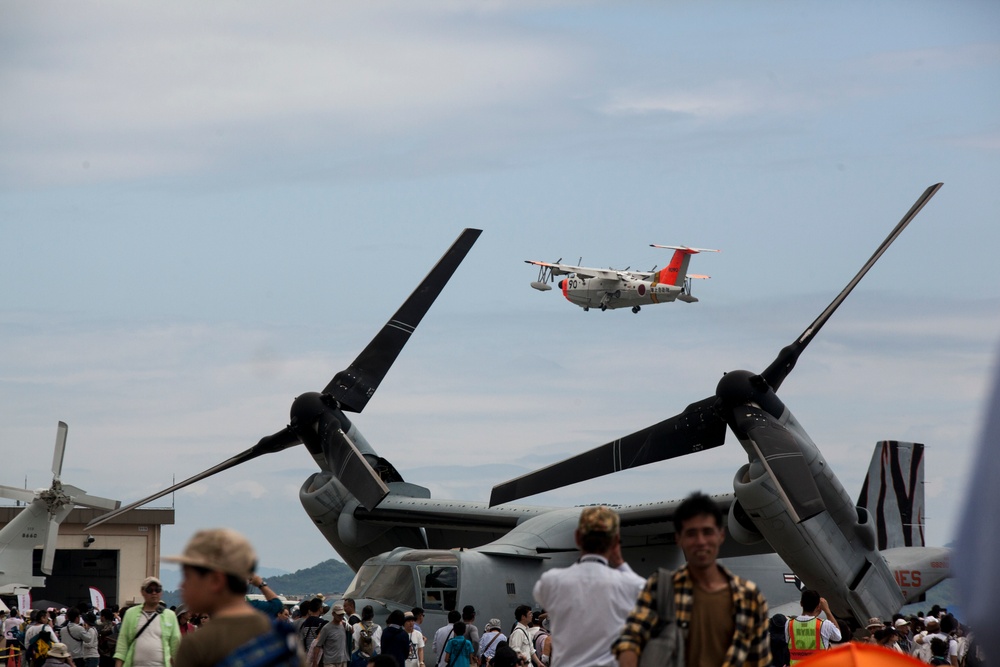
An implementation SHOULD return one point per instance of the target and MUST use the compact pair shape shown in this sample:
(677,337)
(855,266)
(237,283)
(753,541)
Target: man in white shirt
(520,637)
(587,603)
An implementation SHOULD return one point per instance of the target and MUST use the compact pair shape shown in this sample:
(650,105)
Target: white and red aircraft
(621,288)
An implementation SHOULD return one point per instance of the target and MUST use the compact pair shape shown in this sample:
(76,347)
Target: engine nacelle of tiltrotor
(331,507)
(822,551)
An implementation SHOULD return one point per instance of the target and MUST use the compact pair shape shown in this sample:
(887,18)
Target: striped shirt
(750,644)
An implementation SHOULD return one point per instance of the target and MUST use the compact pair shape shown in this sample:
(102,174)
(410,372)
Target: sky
(207,209)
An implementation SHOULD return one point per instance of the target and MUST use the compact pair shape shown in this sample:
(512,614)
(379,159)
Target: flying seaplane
(38,524)
(791,520)
(620,288)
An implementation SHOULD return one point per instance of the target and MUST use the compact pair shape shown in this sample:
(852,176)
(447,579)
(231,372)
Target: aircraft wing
(399,510)
(582,271)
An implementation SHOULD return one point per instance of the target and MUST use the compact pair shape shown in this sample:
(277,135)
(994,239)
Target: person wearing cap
(415,656)
(725,616)
(58,656)
(334,640)
(216,566)
(492,636)
(808,633)
(148,636)
(587,602)
(902,627)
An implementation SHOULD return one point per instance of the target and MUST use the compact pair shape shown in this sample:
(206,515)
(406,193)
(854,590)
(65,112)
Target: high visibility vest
(804,638)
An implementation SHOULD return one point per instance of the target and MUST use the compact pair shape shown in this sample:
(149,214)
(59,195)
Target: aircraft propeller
(744,401)
(313,416)
(59,499)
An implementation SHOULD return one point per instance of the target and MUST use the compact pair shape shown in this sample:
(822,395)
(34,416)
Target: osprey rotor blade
(60,450)
(283,439)
(695,429)
(354,386)
(783,364)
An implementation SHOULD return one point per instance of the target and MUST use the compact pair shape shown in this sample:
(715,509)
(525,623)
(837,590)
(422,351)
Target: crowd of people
(594,613)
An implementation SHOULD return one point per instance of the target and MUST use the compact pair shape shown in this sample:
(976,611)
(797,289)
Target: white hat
(900,622)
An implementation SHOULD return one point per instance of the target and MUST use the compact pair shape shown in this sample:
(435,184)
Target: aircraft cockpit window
(361,581)
(394,582)
(439,585)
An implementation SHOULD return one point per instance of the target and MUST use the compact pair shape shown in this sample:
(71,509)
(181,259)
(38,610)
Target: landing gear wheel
(604,307)
(636,309)
(586,308)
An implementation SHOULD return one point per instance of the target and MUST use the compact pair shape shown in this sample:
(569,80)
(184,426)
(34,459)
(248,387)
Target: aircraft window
(394,582)
(361,581)
(439,585)
(422,556)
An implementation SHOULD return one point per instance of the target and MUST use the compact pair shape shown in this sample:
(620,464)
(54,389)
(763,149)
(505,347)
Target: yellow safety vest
(804,639)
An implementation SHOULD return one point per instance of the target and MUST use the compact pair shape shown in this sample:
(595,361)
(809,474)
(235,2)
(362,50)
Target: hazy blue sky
(207,209)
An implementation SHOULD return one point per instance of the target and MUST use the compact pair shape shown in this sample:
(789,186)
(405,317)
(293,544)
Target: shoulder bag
(665,647)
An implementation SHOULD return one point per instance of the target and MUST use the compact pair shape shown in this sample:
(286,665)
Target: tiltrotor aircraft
(620,288)
(38,524)
(791,521)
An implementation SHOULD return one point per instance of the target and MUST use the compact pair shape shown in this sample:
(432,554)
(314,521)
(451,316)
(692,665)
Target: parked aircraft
(411,550)
(620,288)
(38,524)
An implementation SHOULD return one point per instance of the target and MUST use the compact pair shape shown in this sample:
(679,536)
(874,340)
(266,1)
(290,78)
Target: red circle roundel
(641,290)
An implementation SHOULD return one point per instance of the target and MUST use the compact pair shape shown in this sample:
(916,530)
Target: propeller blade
(354,386)
(695,429)
(270,444)
(14,493)
(782,457)
(81,497)
(60,451)
(349,466)
(49,550)
(783,364)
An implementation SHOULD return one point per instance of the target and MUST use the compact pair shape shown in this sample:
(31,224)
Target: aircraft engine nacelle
(331,507)
(823,552)
(740,526)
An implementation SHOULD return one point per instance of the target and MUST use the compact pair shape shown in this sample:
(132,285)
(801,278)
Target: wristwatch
(262,584)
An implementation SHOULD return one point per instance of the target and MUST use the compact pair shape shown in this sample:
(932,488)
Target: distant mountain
(329,578)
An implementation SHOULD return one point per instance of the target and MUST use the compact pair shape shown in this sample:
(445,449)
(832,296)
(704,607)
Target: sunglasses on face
(153,588)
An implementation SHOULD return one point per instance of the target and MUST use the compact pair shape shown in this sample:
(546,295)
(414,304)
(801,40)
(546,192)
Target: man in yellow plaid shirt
(723,616)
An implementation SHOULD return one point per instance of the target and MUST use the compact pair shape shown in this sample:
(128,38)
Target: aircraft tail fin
(675,272)
(893,494)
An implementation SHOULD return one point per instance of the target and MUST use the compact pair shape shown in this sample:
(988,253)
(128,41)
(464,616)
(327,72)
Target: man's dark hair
(939,647)
(107,615)
(948,624)
(368,613)
(396,617)
(695,505)
(459,628)
(521,612)
(596,542)
(468,612)
(418,612)
(72,615)
(809,599)
(454,616)
(382,660)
